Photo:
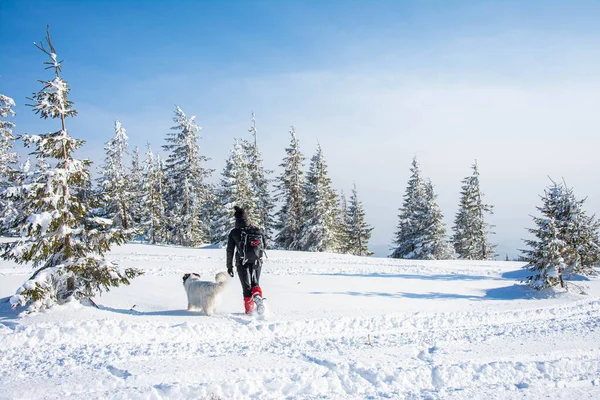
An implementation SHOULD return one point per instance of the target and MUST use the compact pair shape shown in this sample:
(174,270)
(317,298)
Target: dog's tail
(222,277)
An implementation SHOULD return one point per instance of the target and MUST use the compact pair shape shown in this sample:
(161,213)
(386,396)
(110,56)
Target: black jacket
(233,241)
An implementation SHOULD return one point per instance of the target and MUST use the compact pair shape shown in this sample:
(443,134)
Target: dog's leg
(209,306)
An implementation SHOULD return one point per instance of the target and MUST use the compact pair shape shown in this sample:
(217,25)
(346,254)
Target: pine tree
(471,232)
(408,233)
(580,233)
(358,231)
(434,241)
(7,139)
(135,188)
(152,205)
(421,233)
(546,261)
(7,157)
(320,228)
(211,212)
(260,183)
(61,238)
(290,192)
(566,239)
(115,181)
(343,226)
(187,190)
(235,189)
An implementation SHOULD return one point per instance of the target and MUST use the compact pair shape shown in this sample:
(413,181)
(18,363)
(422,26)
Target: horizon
(513,86)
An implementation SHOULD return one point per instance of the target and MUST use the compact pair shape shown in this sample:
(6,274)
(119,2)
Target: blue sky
(515,85)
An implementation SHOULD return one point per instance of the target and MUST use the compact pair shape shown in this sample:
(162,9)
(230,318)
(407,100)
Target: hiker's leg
(245,279)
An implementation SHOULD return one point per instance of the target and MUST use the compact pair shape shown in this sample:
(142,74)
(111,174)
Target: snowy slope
(338,327)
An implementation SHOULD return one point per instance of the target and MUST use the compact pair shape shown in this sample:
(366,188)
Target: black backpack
(251,246)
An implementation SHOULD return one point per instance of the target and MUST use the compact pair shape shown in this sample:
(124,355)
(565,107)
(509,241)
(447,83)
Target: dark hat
(241,219)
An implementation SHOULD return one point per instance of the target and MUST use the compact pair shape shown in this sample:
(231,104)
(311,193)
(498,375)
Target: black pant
(249,275)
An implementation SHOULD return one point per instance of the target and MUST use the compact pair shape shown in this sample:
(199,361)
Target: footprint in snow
(119,373)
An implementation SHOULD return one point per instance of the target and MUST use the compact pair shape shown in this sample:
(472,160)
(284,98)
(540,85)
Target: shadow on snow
(512,292)
(164,313)
(8,315)
(438,277)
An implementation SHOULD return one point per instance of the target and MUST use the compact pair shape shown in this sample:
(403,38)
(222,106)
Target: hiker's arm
(230,250)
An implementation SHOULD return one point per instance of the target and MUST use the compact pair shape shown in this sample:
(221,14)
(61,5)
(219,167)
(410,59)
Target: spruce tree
(260,182)
(115,181)
(186,176)
(135,188)
(320,230)
(7,158)
(471,232)
(235,189)
(434,241)
(343,223)
(152,205)
(409,228)
(290,188)
(546,260)
(211,212)
(421,234)
(358,232)
(566,239)
(65,243)
(7,139)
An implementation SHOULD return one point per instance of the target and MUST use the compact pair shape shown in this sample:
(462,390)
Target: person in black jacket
(248,271)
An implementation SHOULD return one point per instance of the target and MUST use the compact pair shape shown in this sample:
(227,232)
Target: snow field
(352,328)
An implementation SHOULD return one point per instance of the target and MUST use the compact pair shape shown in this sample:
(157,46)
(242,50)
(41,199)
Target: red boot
(258,300)
(255,290)
(248,305)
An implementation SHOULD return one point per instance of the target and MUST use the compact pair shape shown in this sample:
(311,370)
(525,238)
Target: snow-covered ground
(339,327)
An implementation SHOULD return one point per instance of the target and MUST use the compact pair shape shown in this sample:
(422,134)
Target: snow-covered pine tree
(7,139)
(13,209)
(471,232)
(134,187)
(320,228)
(358,231)
(434,242)
(260,182)
(235,189)
(185,175)
(421,232)
(152,205)
(546,260)
(290,188)
(114,182)
(343,227)
(565,228)
(581,234)
(211,212)
(65,243)
(410,217)
(7,157)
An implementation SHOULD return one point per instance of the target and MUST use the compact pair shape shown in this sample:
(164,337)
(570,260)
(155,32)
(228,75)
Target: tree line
(65,222)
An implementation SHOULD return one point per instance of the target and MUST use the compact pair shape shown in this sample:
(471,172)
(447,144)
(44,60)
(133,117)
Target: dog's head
(187,276)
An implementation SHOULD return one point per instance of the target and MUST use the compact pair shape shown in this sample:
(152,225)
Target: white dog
(203,295)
